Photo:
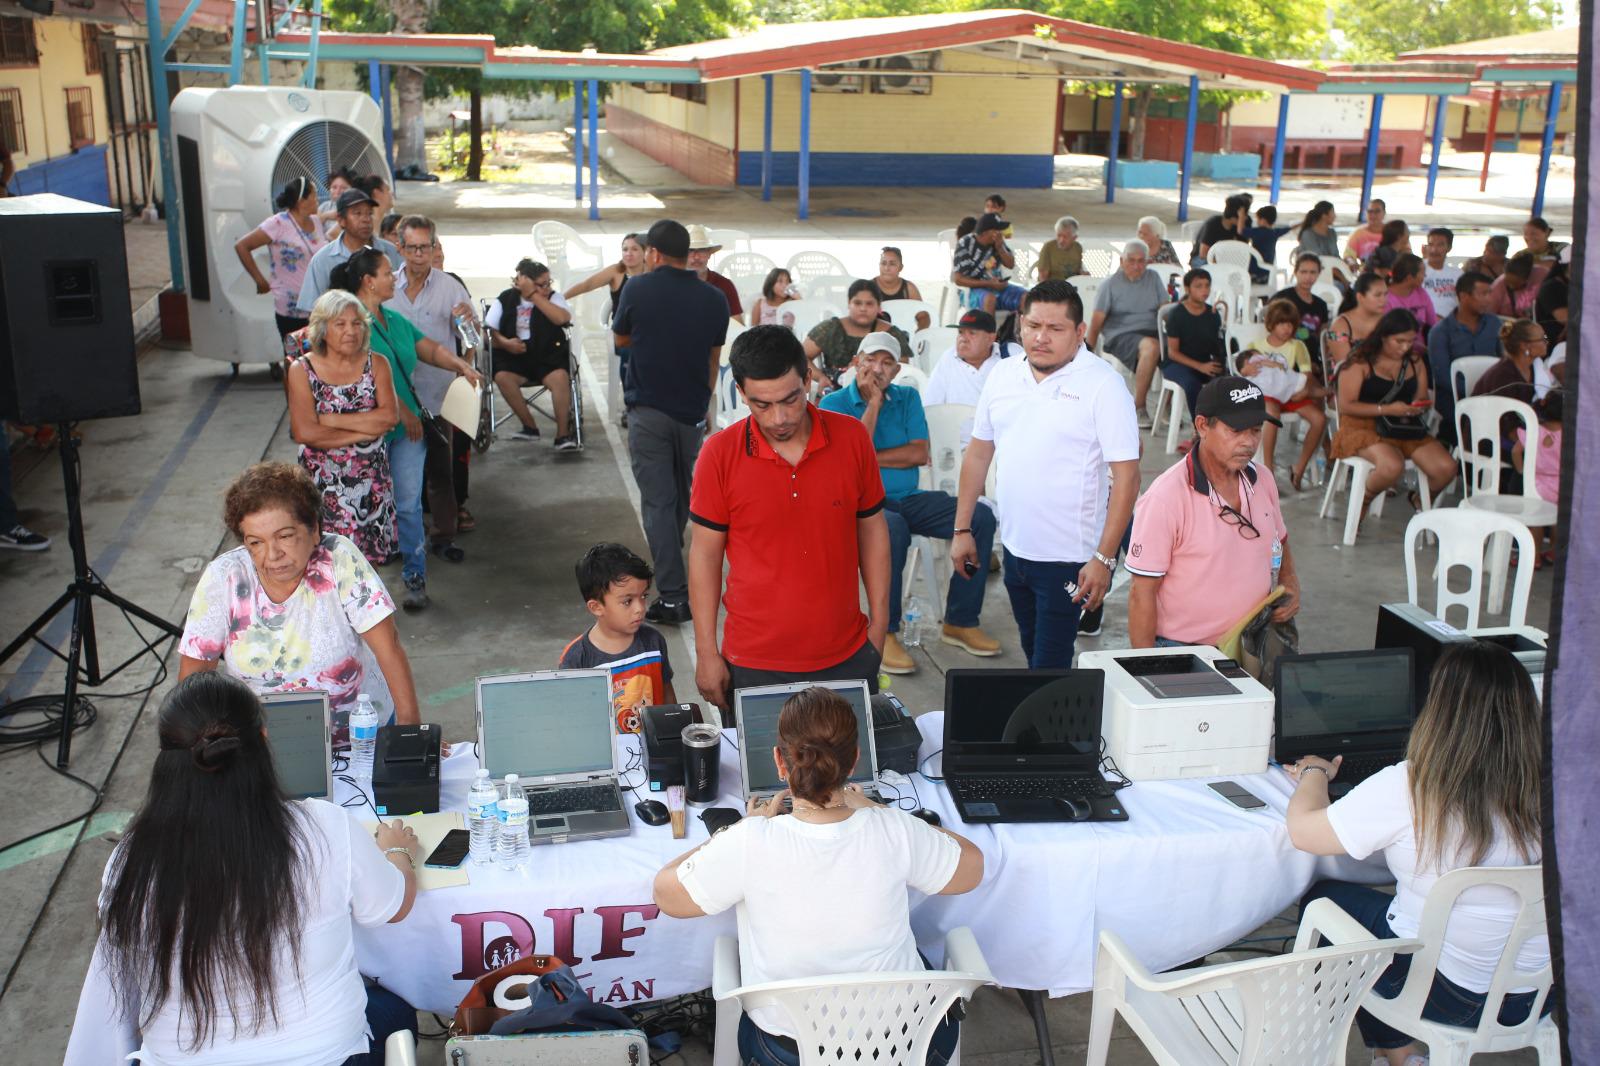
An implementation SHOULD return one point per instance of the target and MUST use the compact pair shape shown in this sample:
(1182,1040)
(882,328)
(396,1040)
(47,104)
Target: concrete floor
(152,487)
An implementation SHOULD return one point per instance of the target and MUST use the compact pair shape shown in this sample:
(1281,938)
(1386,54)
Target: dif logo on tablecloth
(491,939)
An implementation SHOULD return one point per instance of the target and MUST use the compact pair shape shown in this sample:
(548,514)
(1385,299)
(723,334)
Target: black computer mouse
(1077,807)
(931,817)
(651,812)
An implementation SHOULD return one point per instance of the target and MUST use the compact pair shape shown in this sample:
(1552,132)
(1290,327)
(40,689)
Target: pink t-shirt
(291,249)
(1211,571)
(1420,304)
(1547,474)
(1363,241)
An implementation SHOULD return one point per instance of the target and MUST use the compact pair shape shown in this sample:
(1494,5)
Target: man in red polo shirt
(792,499)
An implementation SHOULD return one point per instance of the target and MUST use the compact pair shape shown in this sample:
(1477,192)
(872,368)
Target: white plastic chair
(729,238)
(832,289)
(744,264)
(1294,1008)
(807,313)
(1100,258)
(730,404)
(929,346)
(903,313)
(887,1017)
(1088,287)
(945,423)
(1330,295)
(1190,230)
(1171,400)
(619,1047)
(1334,267)
(803,267)
(1243,254)
(1461,533)
(564,249)
(735,327)
(1230,285)
(1450,1045)
(1478,431)
(1465,372)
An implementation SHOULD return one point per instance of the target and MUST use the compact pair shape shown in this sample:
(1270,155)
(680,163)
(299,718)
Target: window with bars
(91,47)
(17,45)
(11,130)
(80,116)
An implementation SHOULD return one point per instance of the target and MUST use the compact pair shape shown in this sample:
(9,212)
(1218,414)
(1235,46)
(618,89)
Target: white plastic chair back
(564,249)
(1235,253)
(831,289)
(946,421)
(929,345)
(1099,257)
(807,313)
(947,239)
(730,404)
(1465,372)
(734,329)
(1190,230)
(1333,267)
(1450,1045)
(1171,275)
(803,267)
(912,377)
(729,238)
(744,264)
(903,313)
(1330,295)
(1230,285)
(1478,431)
(1464,535)
(1088,287)
(748,286)
(1023,258)
(887,1018)
(589,309)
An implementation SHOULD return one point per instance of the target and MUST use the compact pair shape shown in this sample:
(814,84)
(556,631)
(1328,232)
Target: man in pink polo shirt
(1208,538)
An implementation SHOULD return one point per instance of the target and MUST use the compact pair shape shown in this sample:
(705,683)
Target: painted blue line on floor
(33,667)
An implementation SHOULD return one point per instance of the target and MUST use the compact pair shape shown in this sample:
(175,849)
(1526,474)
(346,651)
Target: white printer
(1170,713)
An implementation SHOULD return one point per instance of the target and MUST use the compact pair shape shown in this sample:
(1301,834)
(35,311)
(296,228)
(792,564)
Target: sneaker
(525,433)
(21,538)
(568,443)
(668,614)
(896,660)
(447,550)
(416,597)
(1145,422)
(1089,622)
(970,639)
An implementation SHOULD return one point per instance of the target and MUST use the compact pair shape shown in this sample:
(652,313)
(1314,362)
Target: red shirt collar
(757,446)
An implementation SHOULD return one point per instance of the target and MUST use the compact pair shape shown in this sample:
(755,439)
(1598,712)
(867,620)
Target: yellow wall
(43,88)
(1399,112)
(1476,119)
(711,121)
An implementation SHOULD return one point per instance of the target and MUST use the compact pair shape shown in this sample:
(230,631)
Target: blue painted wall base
(1149,174)
(81,175)
(923,168)
(1232,166)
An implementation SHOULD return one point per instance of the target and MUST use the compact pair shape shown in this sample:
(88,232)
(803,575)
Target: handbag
(1400,427)
(477,1010)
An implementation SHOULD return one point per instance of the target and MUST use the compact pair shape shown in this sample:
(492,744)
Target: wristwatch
(1109,564)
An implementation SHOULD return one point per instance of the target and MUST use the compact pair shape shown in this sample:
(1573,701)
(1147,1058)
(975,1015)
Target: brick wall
(695,157)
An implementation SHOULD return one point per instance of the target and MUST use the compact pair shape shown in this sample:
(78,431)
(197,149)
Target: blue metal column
(159,46)
(1188,147)
(1116,142)
(766,138)
(803,178)
(388,116)
(594,149)
(1370,171)
(1441,111)
(310,78)
(1277,147)
(1552,112)
(577,139)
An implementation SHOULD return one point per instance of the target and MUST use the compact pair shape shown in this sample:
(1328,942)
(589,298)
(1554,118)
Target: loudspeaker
(66,322)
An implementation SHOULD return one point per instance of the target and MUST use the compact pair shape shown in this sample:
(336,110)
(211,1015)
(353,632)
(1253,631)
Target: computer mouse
(931,817)
(651,812)
(1077,807)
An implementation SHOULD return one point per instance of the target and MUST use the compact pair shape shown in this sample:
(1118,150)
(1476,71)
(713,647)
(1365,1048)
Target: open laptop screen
(1344,693)
(1025,712)
(545,726)
(297,733)
(758,731)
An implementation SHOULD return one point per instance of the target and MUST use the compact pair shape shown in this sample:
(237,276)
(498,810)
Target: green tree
(1376,30)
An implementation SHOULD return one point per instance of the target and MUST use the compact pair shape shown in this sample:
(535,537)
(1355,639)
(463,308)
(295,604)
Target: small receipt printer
(663,742)
(894,734)
(405,770)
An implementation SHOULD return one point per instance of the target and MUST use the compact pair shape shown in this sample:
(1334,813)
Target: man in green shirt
(1061,258)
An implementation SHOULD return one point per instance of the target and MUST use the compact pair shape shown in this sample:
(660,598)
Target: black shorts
(531,366)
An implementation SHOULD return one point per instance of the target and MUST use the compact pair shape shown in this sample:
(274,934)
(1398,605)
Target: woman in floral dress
(341,403)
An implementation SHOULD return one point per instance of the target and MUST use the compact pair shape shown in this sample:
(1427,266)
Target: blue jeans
(406,461)
(1006,299)
(1448,1003)
(1047,619)
(1189,379)
(933,514)
(386,1013)
(8,503)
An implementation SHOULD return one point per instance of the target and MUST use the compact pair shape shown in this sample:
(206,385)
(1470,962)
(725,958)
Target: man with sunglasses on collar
(1208,539)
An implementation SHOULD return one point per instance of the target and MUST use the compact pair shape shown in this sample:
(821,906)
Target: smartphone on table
(451,852)
(1237,795)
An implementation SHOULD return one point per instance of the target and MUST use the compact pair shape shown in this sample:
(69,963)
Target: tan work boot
(896,660)
(970,639)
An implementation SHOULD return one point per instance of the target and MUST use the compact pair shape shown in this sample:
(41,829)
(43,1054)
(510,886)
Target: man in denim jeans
(1053,421)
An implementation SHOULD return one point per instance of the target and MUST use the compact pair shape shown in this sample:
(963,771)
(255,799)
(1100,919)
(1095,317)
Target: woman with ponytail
(820,889)
(227,910)
(291,237)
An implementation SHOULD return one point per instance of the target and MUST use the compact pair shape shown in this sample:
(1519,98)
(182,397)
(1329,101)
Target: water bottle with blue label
(363,735)
(1277,561)
(911,620)
(483,818)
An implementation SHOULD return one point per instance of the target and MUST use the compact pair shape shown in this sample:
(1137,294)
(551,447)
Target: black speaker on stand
(66,355)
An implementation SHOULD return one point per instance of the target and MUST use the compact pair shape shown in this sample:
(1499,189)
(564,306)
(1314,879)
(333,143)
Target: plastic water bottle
(363,735)
(483,818)
(511,843)
(467,327)
(911,623)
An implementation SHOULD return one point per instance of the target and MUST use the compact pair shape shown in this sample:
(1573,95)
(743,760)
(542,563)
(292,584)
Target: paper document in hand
(460,406)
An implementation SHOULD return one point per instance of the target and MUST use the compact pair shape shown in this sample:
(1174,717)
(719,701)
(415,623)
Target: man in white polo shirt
(1209,540)
(1053,420)
(959,375)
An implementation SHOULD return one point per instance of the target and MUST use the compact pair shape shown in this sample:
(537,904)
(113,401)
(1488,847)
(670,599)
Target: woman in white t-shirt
(227,911)
(1466,795)
(821,890)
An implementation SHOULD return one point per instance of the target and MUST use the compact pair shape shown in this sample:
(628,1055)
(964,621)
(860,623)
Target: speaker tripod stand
(83,649)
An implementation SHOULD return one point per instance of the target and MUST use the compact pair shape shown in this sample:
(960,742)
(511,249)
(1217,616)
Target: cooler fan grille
(322,146)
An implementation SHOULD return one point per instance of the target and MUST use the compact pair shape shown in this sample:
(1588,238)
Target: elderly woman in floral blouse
(296,608)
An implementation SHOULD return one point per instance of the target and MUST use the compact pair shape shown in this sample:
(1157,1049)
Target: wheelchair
(494,411)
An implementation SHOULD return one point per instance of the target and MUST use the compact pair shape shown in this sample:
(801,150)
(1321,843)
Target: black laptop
(1024,746)
(1357,704)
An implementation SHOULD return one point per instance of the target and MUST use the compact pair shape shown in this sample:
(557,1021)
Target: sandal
(1414,498)
(1296,477)
(465,523)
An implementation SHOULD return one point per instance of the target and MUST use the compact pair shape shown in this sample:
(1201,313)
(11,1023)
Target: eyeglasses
(418,248)
(1246,528)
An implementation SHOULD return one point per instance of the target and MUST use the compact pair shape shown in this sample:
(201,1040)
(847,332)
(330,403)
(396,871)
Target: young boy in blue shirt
(1263,236)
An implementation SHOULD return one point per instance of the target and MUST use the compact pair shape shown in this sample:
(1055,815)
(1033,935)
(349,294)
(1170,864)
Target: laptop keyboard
(573,800)
(1357,768)
(1029,786)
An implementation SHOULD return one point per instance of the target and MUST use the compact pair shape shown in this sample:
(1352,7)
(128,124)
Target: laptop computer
(1024,746)
(556,730)
(755,714)
(300,736)
(1357,704)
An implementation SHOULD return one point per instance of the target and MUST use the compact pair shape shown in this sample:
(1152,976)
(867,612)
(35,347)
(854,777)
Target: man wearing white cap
(701,249)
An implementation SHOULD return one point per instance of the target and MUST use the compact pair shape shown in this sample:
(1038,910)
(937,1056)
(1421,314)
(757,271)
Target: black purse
(1400,427)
